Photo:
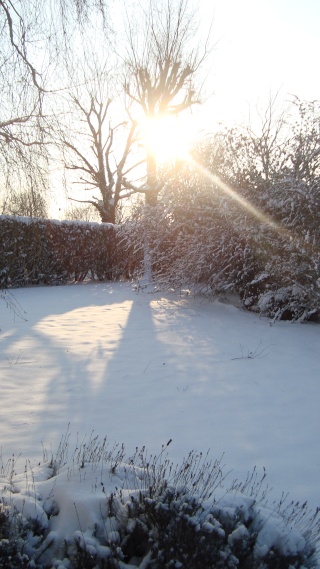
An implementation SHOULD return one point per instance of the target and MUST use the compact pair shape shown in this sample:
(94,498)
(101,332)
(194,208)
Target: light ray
(264,218)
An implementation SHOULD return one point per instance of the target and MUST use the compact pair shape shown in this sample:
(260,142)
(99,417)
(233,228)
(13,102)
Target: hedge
(34,251)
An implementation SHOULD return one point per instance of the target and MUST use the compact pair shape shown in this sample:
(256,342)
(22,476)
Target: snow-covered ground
(142,369)
(145,368)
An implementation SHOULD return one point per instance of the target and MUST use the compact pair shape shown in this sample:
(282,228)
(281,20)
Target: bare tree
(34,35)
(162,62)
(100,147)
(82,212)
(101,170)
(97,149)
(22,87)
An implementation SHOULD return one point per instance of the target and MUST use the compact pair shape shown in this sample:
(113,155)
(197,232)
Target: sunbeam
(235,196)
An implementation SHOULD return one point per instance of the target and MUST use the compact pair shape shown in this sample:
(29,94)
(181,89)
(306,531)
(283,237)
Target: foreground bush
(175,529)
(19,538)
(98,510)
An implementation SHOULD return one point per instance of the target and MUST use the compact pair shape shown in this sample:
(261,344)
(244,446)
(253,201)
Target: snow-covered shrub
(187,517)
(189,241)
(276,171)
(290,303)
(244,215)
(19,538)
(279,278)
(176,529)
(98,509)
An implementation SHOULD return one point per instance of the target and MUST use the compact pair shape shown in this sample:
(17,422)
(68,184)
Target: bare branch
(163,67)
(20,51)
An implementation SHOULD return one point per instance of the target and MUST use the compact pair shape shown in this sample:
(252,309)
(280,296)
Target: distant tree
(82,212)
(29,203)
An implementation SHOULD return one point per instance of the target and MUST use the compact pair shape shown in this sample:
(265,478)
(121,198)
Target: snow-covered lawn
(145,368)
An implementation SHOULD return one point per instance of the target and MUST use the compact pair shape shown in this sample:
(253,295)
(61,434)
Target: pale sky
(261,47)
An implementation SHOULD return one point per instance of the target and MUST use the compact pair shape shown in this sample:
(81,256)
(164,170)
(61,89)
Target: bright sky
(261,47)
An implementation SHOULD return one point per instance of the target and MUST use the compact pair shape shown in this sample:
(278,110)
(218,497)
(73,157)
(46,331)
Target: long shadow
(142,370)
(130,382)
(59,373)
(98,361)
(39,372)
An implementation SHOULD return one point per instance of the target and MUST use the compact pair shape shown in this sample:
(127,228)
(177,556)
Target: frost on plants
(98,508)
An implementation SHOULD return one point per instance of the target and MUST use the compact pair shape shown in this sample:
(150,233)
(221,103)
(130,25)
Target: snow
(145,368)
(29,220)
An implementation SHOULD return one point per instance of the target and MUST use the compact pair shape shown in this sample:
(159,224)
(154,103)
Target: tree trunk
(152,192)
(108,216)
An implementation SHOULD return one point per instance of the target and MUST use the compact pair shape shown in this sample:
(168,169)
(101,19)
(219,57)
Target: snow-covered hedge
(100,509)
(46,251)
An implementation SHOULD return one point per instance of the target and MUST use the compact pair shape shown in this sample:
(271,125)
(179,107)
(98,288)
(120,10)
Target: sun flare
(167,137)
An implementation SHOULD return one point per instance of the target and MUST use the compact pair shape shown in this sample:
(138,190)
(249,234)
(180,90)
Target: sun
(167,137)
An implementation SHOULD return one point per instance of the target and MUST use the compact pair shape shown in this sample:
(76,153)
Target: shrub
(174,529)
(19,538)
(161,516)
(243,216)
(191,524)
